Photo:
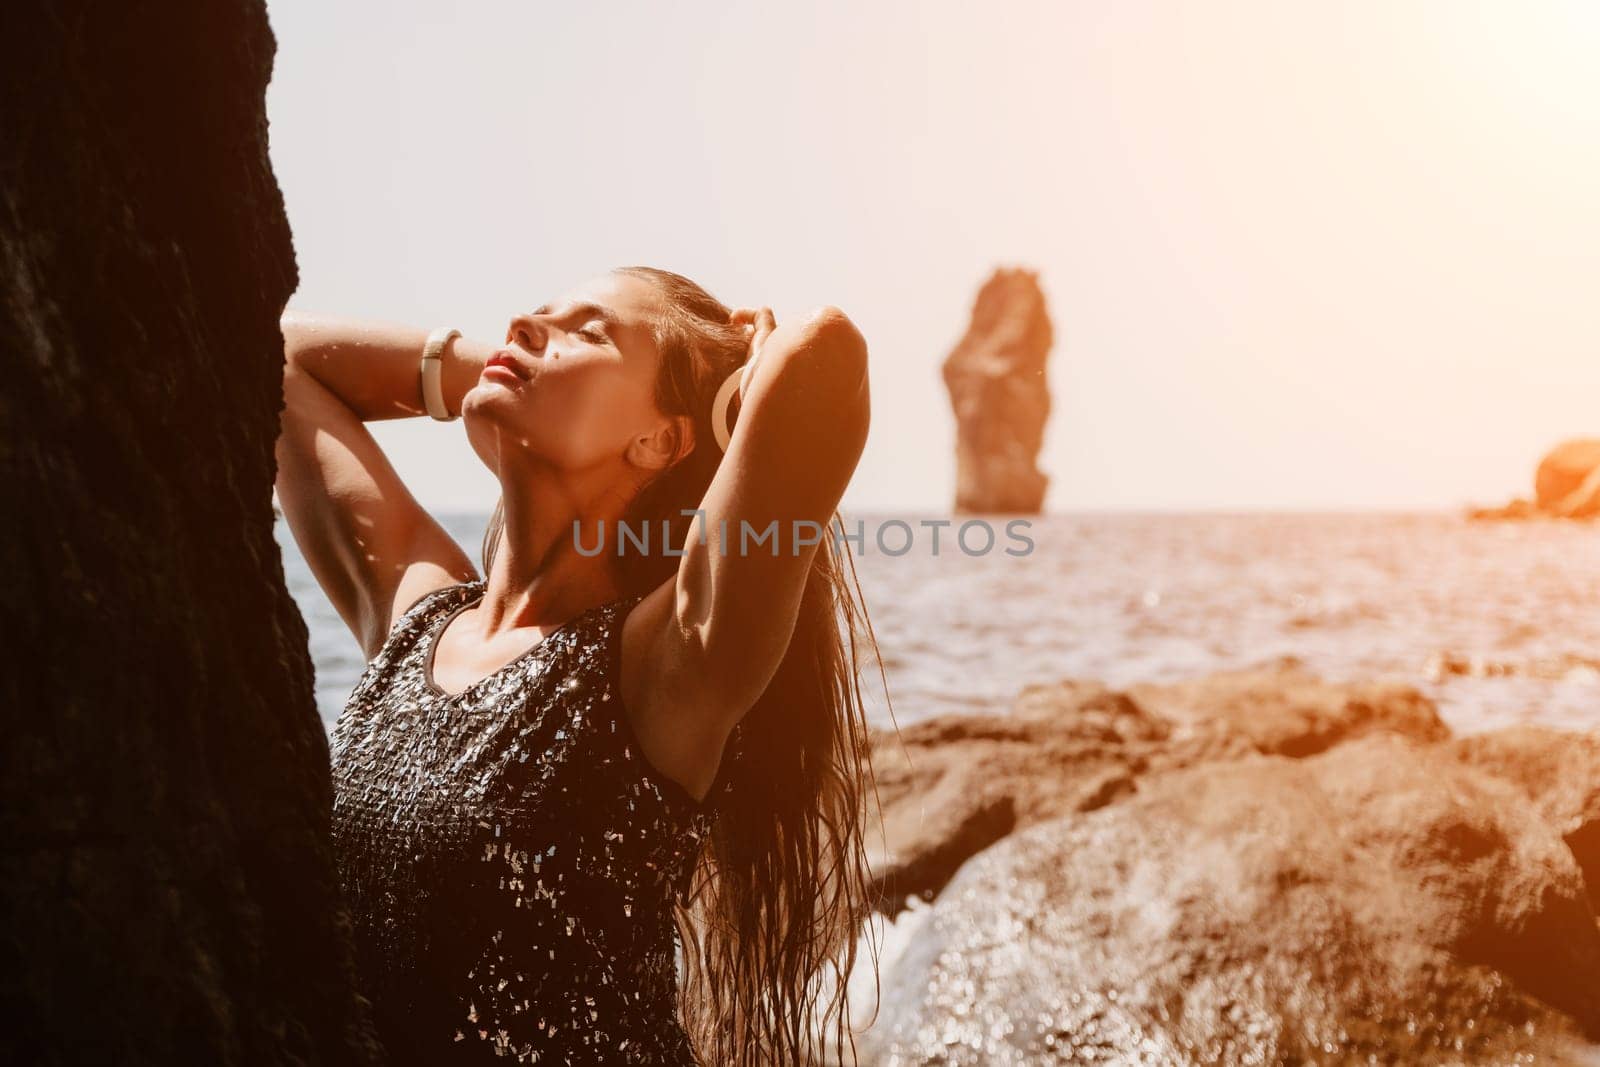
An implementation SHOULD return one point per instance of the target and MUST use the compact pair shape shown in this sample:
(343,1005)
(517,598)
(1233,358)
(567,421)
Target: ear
(667,442)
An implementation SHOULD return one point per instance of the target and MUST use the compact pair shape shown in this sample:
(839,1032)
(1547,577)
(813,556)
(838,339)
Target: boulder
(951,786)
(1566,486)
(1288,711)
(1383,901)
(1567,483)
(996,380)
(1559,772)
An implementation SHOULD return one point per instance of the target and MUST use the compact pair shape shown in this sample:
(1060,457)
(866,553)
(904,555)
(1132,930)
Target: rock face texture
(1259,867)
(996,379)
(950,787)
(1288,712)
(167,888)
(1566,486)
(1560,773)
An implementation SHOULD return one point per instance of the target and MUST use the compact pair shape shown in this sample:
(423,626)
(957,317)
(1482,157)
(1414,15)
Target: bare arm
(371,546)
(715,636)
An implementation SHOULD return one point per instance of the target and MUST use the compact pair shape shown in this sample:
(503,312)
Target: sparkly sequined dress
(508,856)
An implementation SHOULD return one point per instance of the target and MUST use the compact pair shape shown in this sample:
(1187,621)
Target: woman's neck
(538,576)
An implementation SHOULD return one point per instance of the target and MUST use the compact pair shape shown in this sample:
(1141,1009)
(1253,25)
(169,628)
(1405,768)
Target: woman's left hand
(758,324)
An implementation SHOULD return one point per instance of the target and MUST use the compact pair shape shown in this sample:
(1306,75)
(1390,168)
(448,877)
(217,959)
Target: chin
(489,402)
(485,416)
(497,419)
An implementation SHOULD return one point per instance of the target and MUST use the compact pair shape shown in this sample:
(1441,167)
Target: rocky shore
(1565,486)
(1259,867)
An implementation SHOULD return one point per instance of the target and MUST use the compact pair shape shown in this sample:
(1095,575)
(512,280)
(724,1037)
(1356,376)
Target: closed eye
(593,333)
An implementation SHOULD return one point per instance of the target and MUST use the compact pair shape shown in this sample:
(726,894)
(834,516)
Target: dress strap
(418,617)
(423,603)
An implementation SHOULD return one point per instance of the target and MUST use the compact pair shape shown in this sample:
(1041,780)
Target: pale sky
(1298,255)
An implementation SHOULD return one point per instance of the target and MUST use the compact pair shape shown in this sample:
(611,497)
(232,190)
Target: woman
(610,737)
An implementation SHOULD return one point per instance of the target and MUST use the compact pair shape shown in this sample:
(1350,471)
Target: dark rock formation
(1566,486)
(167,891)
(996,378)
(1379,900)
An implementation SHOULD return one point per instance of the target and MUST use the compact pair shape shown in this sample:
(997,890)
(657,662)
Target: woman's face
(574,385)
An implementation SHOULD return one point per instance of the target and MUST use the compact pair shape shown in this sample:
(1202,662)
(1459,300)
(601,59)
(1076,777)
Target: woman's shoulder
(395,668)
(416,620)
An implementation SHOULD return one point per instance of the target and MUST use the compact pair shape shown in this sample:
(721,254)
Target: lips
(506,361)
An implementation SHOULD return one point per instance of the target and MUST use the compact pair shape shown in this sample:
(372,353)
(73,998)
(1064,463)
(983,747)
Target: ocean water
(1499,623)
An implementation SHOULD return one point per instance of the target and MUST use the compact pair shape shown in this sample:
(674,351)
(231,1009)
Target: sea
(1499,623)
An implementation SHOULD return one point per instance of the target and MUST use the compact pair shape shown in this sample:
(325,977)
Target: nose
(527,331)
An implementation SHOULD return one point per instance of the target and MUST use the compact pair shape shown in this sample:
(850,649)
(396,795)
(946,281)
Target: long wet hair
(780,892)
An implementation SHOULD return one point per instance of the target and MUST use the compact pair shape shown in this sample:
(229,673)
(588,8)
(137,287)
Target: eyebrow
(588,311)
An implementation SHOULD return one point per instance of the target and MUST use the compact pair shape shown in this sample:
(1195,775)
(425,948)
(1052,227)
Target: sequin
(508,857)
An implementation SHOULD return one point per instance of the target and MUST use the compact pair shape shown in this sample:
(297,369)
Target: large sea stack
(996,378)
(167,890)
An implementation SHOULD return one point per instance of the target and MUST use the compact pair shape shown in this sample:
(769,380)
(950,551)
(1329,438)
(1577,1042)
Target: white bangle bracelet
(433,373)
